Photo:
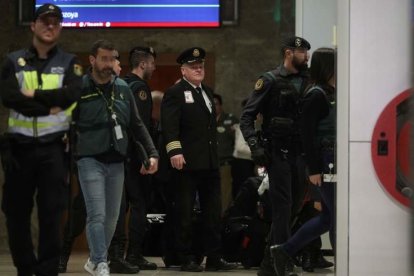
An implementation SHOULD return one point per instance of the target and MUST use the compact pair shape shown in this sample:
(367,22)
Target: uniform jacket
(273,98)
(95,127)
(56,81)
(188,127)
(143,99)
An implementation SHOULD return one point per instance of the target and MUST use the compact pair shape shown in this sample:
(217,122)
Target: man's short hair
(139,54)
(101,44)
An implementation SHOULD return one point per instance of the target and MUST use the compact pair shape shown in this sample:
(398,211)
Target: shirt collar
(194,86)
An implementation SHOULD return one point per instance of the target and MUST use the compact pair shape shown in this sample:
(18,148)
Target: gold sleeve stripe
(173,145)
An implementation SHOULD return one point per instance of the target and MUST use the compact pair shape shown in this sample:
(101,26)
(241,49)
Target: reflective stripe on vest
(42,125)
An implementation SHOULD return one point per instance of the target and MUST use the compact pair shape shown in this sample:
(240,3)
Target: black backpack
(246,224)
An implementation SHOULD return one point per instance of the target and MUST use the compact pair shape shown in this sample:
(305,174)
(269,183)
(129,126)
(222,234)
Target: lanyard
(109,103)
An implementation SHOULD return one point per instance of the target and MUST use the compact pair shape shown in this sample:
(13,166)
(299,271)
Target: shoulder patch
(258,85)
(142,95)
(21,62)
(78,70)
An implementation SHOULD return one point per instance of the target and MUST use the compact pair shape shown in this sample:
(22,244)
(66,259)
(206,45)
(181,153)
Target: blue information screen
(137,13)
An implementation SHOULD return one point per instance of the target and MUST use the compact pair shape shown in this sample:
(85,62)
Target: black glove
(259,155)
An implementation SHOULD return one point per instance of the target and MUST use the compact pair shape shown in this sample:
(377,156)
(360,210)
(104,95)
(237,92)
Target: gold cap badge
(196,53)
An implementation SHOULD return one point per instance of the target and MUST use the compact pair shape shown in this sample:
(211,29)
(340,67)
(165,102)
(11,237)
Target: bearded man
(276,96)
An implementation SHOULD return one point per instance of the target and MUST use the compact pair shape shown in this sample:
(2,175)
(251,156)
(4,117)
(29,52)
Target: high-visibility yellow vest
(52,76)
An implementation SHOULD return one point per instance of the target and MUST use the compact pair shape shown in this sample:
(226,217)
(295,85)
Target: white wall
(374,54)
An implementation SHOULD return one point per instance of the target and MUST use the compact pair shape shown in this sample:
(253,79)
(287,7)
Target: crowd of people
(115,138)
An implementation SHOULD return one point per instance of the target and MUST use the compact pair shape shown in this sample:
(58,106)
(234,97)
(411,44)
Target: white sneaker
(90,267)
(102,269)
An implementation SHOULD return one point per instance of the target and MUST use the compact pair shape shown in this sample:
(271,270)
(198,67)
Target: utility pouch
(280,126)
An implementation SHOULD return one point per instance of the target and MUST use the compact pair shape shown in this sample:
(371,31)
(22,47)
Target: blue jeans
(318,225)
(102,186)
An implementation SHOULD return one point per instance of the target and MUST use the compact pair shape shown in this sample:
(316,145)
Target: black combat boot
(307,261)
(64,254)
(319,261)
(63,263)
(139,260)
(280,261)
(117,264)
(266,267)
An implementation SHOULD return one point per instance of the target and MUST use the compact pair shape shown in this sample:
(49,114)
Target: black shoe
(123,267)
(280,259)
(145,264)
(191,266)
(170,260)
(141,262)
(307,261)
(266,266)
(63,263)
(321,262)
(214,264)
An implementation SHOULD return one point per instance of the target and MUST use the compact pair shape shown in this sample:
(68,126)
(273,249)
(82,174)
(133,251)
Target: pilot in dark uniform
(276,97)
(188,123)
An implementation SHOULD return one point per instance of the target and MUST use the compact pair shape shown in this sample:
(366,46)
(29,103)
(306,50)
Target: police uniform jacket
(143,99)
(57,83)
(95,134)
(276,95)
(188,127)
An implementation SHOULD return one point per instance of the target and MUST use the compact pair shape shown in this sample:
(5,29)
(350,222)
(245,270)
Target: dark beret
(191,55)
(138,49)
(48,9)
(296,42)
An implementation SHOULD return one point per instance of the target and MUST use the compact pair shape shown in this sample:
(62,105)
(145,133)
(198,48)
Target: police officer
(318,128)
(39,85)
(188,124)
(137,186)
(276,96)
(75,224)
(106,121)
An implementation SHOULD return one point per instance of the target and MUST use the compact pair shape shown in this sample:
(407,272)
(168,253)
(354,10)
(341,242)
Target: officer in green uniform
(318,128)
(276,97)
(106,121)
(137,185)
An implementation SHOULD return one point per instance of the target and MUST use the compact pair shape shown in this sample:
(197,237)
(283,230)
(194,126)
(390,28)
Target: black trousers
(287,186)
(41,171)
(206,184)
(136,198)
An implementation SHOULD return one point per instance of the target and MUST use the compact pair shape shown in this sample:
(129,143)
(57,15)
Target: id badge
(188,97)
(329,178)
(118,132)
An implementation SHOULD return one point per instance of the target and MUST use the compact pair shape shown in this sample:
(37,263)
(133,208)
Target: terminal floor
(77,260)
